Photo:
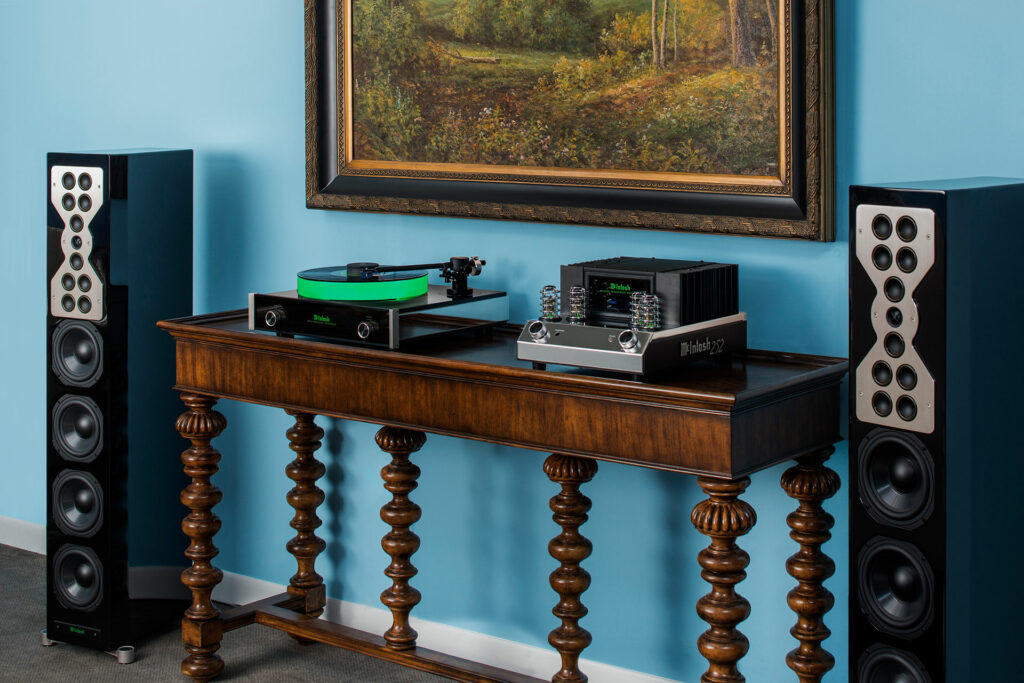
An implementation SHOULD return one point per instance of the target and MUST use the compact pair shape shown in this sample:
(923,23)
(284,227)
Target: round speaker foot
(125,654)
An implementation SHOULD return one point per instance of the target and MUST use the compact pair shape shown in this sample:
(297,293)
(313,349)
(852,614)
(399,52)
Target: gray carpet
(252,653)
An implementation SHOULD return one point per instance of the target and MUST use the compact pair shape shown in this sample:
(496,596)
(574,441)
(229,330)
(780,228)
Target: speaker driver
(77,428)
(881,664)
(77,353)
(77,578)
(895,587)
(896,478)
(77,503)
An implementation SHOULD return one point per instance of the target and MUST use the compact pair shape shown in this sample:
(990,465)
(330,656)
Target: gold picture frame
(797,202)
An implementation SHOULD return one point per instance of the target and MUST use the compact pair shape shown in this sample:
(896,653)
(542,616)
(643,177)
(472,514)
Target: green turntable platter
(344,283)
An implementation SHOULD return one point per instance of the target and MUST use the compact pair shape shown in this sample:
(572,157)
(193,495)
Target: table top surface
(744,381)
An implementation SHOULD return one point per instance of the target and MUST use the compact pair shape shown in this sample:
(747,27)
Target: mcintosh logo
(711,347)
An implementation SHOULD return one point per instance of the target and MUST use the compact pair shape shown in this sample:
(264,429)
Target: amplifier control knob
(538,330)
(628,340)
(366,328)
(274,316)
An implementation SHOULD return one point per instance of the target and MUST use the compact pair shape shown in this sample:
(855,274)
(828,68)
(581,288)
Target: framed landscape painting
(693,115)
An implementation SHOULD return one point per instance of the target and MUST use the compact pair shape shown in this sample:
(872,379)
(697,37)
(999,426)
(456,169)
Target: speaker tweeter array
(77,194)
(895,388)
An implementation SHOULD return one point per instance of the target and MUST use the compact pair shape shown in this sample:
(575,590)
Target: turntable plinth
(720,422)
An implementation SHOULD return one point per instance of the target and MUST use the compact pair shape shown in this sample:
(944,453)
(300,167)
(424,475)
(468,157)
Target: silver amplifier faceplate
(630,351)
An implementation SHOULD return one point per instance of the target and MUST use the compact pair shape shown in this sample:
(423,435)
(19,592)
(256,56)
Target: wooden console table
(720,423)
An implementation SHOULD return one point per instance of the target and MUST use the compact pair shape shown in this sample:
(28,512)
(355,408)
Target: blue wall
(922,92)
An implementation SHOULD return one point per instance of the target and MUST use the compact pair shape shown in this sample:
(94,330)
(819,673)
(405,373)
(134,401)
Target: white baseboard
(23,535)
(505,654)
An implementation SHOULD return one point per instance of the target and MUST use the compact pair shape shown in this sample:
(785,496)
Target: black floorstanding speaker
(119,258)
(937,455)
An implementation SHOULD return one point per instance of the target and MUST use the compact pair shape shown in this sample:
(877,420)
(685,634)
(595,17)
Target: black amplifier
(688,291)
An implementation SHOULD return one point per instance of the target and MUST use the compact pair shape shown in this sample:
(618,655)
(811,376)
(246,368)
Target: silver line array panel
(76,290)
(896,247)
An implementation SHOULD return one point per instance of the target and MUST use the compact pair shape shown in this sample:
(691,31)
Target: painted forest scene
(679,86)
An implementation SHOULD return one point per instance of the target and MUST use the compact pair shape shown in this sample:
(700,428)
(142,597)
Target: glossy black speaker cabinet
(119,258)
(936,314)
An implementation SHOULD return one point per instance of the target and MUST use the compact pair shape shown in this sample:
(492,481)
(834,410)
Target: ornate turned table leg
(400,543)
(306,497)
(201,627)
(810,482)
(723,517)
(570,509)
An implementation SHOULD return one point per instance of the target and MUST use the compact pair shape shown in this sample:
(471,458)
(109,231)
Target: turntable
(378,305)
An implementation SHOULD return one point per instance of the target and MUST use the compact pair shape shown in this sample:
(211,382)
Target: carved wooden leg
(400,543)
(570,509)
(201,628)
(305,497)
(723,517)
(810,482)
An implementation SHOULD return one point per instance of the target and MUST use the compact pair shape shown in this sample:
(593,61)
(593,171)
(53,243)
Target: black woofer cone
(894,345)
(76,352)
(896,478)
(77,503)
(77,428)
(894,289)
(895,587)
(881,372)
(906,228)
(77,578)
(882,664)
(881,226)
(881,257)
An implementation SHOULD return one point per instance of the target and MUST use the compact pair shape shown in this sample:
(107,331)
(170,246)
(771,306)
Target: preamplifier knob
(273,316)
(628,340)
(538,330)
(366,328)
